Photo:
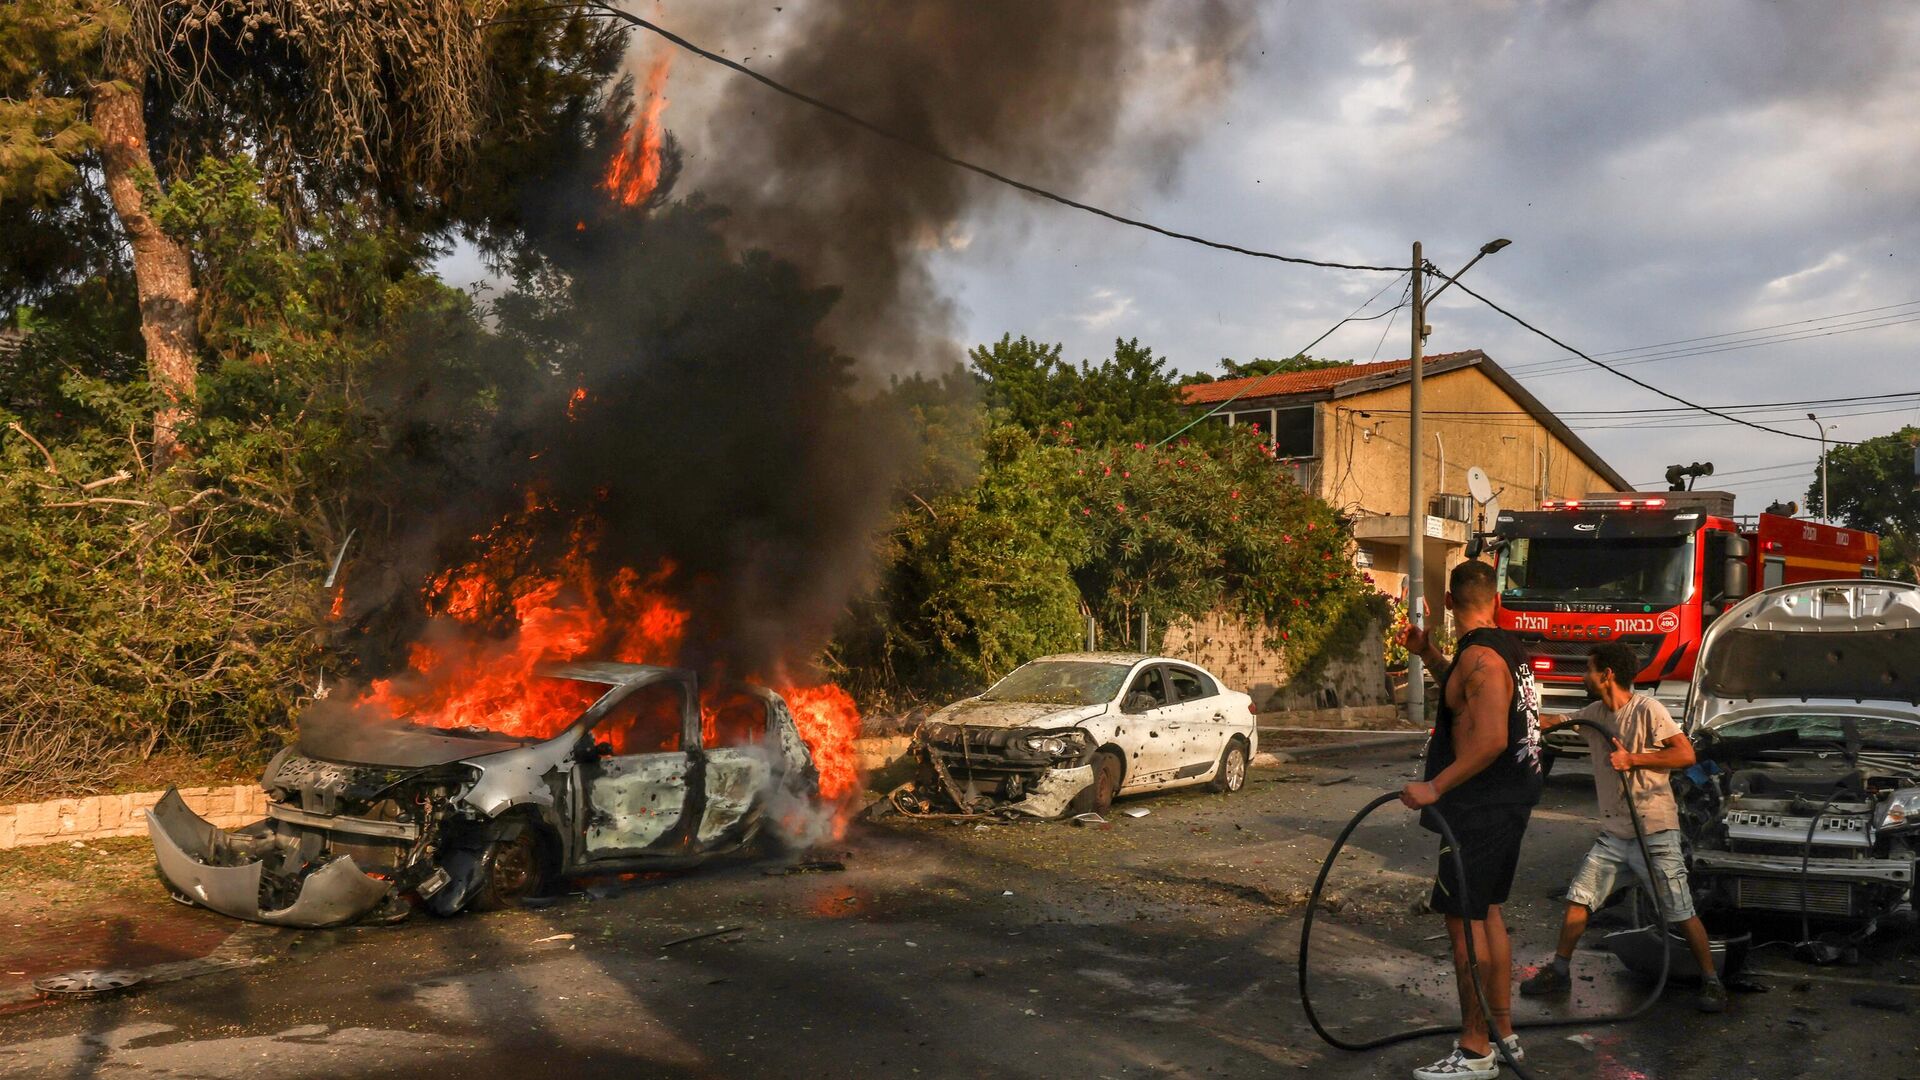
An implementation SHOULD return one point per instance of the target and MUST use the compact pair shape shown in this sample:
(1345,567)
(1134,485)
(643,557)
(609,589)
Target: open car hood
(1823,644)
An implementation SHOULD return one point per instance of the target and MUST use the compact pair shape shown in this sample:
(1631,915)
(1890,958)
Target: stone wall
(1238,654)
(99,816)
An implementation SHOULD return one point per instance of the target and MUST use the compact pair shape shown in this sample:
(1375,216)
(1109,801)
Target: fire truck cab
(1651,571)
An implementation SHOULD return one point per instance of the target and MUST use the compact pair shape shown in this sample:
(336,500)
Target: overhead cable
(1644,385)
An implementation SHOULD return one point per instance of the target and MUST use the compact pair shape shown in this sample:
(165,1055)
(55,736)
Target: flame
(339,605)
(574,401)
(496,618)
(635,169)
(828,721)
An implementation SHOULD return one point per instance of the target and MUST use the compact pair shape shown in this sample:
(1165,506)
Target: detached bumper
(212,868)
(1050,795)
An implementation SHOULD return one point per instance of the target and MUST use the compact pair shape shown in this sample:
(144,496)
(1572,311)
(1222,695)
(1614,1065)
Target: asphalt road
(1162,946)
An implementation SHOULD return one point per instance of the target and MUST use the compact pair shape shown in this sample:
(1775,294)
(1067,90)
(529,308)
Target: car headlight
(1901,811)
(1050,745)
(1057,744)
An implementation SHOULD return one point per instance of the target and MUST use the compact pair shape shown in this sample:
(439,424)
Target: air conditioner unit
(1451,507)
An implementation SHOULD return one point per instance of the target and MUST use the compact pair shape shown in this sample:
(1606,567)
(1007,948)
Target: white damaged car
(1806,724)
(1066,734)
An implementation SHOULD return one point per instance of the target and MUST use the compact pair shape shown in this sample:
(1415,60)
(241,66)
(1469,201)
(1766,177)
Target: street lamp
(1825,515)
(1416,509)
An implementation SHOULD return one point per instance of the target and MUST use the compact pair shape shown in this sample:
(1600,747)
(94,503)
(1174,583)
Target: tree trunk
(169,305)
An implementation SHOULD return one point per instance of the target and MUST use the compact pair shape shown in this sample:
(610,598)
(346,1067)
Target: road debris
(1090,820)
(701,936)
(1136,812)
(551,937)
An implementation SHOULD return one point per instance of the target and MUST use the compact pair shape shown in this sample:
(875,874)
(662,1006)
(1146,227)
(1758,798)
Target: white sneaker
(1458,1066)
(1511,1042)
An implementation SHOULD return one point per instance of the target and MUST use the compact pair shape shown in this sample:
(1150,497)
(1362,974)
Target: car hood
(1015,714)
(1821,645)
(339,734)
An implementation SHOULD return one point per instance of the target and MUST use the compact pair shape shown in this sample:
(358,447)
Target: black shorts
(1489,839)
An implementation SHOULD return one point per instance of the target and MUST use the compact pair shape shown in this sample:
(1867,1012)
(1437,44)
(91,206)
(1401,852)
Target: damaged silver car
(373,818)
(1067,734)
(1806,719)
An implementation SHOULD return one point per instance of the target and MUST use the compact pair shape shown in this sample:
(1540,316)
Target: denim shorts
(1599,874)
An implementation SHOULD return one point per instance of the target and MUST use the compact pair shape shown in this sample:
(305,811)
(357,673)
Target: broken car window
(1190,685)
(1060,682)
(647,721)
(1148,682)
(736,719)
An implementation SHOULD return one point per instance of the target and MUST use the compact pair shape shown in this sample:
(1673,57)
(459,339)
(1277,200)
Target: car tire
(1231,776)
(515,868)
(1097,797)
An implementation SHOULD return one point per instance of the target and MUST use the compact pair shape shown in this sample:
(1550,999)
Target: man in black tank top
(1483,775)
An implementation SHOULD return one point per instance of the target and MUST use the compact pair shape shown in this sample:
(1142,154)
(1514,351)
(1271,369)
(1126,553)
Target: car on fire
(370,817)
(1066,734)
(1805,798)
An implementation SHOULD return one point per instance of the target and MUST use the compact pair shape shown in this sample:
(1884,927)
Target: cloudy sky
(1741,178)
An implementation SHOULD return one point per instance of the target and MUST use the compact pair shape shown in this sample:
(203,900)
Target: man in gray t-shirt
(1648,747)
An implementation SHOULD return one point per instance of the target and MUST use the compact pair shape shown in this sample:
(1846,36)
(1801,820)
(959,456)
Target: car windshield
(1656,571)
(1061,682)
(1823,728)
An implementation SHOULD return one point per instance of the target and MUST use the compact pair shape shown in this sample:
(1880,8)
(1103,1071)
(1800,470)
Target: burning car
(1066,734)
(649,770)
(1806,795)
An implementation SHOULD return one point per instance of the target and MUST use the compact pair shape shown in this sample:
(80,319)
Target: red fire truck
(1651,571)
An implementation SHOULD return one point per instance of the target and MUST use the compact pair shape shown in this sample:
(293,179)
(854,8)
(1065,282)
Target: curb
(1273,759)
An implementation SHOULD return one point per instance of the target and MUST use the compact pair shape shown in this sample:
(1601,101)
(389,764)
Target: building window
(1288,431)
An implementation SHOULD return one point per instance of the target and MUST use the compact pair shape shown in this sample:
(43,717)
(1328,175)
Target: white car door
(1149,729)
(1201,722)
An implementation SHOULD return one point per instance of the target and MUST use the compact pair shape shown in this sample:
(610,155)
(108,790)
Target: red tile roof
(1296,382)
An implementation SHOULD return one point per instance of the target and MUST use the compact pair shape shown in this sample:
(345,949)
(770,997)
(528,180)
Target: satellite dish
(1478,485)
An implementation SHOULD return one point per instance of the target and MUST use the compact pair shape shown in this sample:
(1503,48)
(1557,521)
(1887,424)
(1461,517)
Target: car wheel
(514,870)
(1098,796)
(1231,776)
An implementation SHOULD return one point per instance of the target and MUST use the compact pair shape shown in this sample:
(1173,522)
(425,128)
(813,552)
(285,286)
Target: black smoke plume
(719,336)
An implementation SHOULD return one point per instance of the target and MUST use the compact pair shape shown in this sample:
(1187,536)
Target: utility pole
(1416,512)
(1824,515)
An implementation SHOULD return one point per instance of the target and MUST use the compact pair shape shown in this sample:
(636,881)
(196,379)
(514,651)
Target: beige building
(1343,433)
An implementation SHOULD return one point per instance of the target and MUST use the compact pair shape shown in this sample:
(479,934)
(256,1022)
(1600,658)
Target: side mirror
(1138,702)
(1739,579)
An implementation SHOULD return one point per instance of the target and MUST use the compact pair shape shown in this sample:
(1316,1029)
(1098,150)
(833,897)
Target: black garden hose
(1473,965)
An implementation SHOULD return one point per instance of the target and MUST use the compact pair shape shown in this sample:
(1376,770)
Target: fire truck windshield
(1656,570)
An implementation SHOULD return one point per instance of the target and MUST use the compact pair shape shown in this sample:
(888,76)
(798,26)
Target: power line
(607,11)
(1238,394)
(1644,385)
(1837,330)
(1756,330)
(1752,406)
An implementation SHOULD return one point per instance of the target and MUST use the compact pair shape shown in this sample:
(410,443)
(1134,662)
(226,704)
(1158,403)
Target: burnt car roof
(610,672)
